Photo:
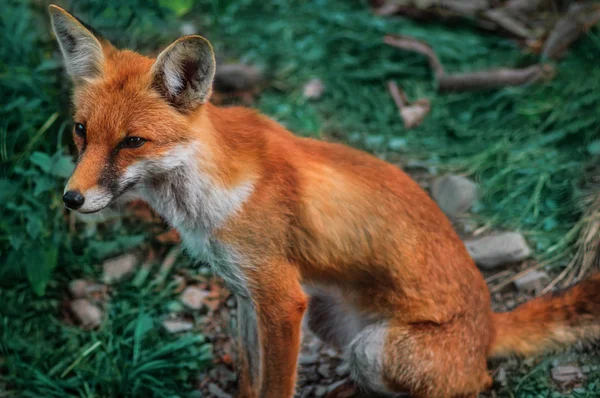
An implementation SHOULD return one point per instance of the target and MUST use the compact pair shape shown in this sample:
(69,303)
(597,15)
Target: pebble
(343,369)
(177,326)
(336,385)
(566,373)
(231,78)
(117,268)
(495,250)
(501,376)
(88,314)
(532,282)
(78,288)
(307,392)
(313,89)
(324,371)
(188,28)
(193,297)
(330,352)
(309,359)
(454,194)
(217,392)
(320,391)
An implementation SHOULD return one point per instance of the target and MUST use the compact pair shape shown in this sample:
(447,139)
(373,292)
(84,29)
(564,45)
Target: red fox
(298,229)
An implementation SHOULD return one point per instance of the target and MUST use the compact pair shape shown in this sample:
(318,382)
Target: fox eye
(132,142)
(80,130)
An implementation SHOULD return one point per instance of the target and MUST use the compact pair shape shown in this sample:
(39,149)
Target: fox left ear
(81,49)
(183,73)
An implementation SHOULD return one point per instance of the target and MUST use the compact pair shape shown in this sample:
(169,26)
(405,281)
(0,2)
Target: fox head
(132,113)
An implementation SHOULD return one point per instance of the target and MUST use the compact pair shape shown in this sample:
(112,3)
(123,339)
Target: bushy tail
(552,321)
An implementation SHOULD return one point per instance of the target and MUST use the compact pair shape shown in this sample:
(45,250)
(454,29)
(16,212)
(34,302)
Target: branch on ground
(492,78)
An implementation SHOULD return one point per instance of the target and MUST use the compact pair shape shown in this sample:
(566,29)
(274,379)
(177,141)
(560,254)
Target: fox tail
(549,322)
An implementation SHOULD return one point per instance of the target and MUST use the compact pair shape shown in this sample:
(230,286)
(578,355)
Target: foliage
(40,353)
(526,146)
(130,355)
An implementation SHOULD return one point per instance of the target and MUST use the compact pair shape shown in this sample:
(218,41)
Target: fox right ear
(183,73)
(81,49)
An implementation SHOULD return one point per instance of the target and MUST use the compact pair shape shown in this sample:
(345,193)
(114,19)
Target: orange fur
(325,215)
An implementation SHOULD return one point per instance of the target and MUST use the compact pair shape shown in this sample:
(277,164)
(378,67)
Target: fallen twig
(412,114)
(493,78)
(578,19)
(411,44)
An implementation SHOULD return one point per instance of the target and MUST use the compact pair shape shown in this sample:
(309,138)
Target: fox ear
(183,73)
(81,49)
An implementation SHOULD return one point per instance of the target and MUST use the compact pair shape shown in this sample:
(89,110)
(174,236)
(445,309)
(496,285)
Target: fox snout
(73,199)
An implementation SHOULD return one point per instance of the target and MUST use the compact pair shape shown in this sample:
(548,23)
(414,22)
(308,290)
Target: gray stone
(188,28)
(335,385)
(78,288)
(501,376)
(324,371)
(343,369)
(320,391)
(495,250)
(454,194)
(217,392)
(331,352)
(193,297)
(88,314)
(566,373)
(308,359)
(307,392)
(177,326)
(532,282)
(117,268)
(313,89)
(236,78)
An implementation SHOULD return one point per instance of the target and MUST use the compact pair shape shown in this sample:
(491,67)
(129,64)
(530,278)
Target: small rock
(566,374)
(313,89)
(501,376)
(231,302)
(454,194)
(343,369)
(532,282)
(188,28)
(320,391)
(217,392)
(193,297)
(78,288)
(307,392)
(413,114)
(315,345)
(232,78)
(585,369)
(335,385)
(330,352)
(494,250)
(88,314)
(177,326)
(311,375)
(115,269)
(324,371)
(309,359)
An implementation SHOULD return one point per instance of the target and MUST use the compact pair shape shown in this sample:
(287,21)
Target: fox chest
(223,260)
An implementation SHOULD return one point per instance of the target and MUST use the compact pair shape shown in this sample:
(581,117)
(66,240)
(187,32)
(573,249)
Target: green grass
(526,147)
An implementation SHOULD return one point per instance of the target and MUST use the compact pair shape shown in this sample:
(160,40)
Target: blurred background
(493,106)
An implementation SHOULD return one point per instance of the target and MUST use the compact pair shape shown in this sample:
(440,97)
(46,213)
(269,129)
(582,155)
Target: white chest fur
(195,205)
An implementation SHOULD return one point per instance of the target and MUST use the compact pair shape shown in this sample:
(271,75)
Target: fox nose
(73,199)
